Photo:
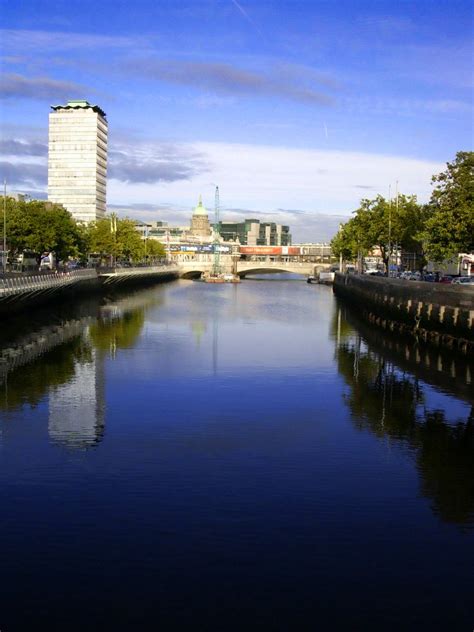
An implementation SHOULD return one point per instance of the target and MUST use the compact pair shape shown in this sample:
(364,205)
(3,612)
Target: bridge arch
(192,274)
(241,271)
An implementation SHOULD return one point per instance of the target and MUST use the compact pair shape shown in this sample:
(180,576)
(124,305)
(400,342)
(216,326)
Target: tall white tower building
(77,159)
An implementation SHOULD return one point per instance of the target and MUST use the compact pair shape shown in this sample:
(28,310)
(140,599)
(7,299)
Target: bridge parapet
(195,266)
(121,275)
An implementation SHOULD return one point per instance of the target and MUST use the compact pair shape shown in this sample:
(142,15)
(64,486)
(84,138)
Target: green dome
(200,209)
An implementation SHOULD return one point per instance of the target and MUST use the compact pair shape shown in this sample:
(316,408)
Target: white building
(77,159)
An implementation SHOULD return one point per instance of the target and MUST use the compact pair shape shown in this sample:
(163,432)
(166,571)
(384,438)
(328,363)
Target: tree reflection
(29,384)
(119,331)
(40,359)
(391,402)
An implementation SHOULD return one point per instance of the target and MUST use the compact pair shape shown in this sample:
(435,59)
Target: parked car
(72,265)
(430,278)
(464,281)
(377,273)
(48,261)
(446,279)
(406,274)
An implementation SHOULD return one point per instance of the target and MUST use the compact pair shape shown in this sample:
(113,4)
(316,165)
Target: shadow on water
(403,392)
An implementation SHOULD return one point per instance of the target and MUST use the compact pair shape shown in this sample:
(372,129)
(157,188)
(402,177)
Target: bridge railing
(11,286)
(132,270)
(276,264)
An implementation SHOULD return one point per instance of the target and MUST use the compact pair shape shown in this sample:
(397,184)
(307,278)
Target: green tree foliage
(101,239)
(119,239)
(41,227)
(154,249)
(129,241)
(382,223)
(450,228)
(349,241)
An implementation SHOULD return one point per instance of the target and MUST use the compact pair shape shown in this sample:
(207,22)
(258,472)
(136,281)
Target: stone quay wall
(442,314)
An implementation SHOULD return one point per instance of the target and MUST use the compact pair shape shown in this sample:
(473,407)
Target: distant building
(19,197)
(77,159)
(200,226)
(252,232)
(200,238)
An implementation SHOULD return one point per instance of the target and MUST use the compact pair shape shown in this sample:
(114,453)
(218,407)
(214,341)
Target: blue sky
(295,109)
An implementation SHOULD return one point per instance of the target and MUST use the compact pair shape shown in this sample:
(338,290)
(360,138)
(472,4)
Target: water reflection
(387,397)
(62,357)
(77,407)
(28,383)
(229,449)
(117,330)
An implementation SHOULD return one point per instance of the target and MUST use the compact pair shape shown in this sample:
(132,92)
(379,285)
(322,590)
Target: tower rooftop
(200,209)
(79,104)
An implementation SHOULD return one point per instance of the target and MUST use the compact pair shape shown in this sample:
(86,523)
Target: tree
(348,242)
(116,238)
(41,227)
(384,224)
(450,228)
(154,249)
(100,238)
(130,244)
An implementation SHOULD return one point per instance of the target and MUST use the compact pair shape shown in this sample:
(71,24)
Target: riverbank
(436,313)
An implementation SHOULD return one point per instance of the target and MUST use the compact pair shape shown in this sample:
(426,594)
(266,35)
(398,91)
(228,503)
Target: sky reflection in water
(215,455)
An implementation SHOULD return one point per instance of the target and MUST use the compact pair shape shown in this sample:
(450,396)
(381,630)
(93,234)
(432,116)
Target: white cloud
(265,178)
(22,41)
(311,190)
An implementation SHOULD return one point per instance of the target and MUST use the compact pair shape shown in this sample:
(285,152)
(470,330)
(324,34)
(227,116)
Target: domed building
(200,226)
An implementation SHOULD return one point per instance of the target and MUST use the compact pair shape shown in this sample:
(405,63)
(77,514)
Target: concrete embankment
(441,314)
(27,292)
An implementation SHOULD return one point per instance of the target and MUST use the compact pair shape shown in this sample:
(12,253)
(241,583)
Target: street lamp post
(389,228)
(340,255)
(113,230)
(4,227)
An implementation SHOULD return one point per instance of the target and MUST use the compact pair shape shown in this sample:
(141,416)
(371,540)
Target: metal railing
(137,269)
(31,283)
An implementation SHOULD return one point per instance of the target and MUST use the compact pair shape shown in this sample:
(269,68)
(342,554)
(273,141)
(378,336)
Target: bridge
(194,267)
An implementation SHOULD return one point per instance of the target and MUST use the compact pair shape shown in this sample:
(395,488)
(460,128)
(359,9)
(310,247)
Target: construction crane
(217,251)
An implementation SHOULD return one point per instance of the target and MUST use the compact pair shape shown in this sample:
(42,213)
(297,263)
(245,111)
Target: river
(219,457)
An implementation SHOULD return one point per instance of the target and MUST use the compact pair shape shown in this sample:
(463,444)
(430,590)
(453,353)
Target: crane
(217,253)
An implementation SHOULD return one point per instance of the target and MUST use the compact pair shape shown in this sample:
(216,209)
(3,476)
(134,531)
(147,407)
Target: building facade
(77,159)
(200,226)
(252,232)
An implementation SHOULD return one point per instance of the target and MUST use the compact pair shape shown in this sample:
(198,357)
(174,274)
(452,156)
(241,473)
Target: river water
(216,457)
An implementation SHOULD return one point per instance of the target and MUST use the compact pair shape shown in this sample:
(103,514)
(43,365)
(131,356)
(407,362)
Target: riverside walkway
(22,292)
(31,285)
